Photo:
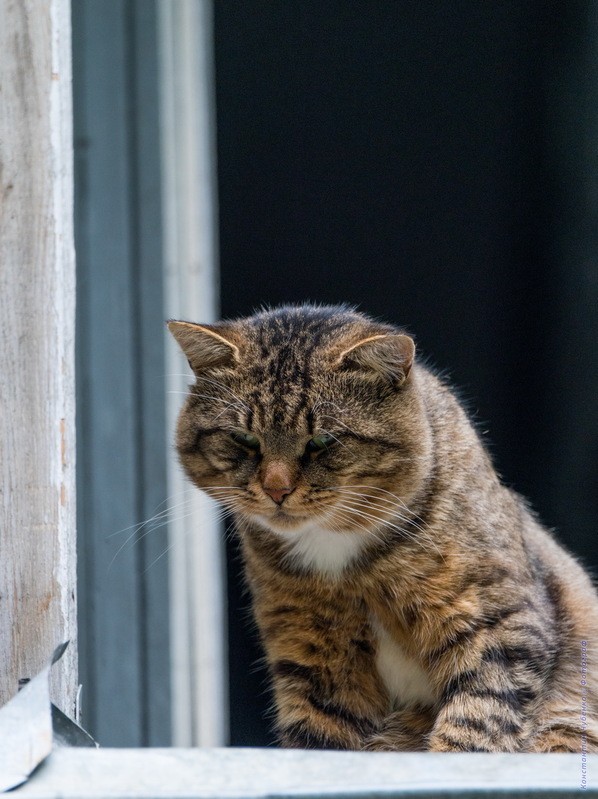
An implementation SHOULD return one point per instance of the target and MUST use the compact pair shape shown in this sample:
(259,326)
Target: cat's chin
(282,522)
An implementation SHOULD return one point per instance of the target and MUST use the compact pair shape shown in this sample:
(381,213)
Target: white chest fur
(329,553)
(404,679)
(322,550)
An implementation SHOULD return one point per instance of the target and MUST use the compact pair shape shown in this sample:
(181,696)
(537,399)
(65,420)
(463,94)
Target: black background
(434,164)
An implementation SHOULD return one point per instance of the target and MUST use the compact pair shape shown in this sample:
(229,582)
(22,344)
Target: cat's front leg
(404,730)
(490,708)
(313,714)
(327,691)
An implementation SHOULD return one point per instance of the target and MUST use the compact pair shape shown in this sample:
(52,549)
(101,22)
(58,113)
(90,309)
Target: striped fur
(405,598)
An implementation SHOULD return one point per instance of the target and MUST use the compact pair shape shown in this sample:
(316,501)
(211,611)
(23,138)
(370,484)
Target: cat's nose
(278,494)
(277,481)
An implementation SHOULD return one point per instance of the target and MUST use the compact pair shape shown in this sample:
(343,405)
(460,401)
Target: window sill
(240,773)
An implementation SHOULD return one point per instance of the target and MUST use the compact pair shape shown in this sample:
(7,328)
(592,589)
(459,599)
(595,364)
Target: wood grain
(37,298)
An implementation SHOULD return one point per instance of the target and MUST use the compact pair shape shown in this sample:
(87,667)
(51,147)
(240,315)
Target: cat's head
(301,415)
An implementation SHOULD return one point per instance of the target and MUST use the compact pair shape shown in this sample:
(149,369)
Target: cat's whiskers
(373,488)
(160,556)
(236,491)
(355,508)
(170,515)
(382,503)
(349,524)
(395,498)
(422,534)
(219,515)
(223,496)
(156,516)
(226,499)
(396,503)
(406,533)
(393,510)
(152,529)
(369,517)
(155,523)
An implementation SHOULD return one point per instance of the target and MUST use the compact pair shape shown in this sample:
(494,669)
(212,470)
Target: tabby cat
(405,598)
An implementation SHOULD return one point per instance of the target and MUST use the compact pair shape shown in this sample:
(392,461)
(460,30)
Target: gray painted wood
(265,773)
(120,396)
(37,293)
(154,436)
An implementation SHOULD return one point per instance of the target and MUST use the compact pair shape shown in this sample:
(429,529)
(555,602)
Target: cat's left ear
(205,346)
(388,355)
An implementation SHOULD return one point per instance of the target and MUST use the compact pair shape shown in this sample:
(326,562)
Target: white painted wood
(37,297)
(162,773)
(198,634)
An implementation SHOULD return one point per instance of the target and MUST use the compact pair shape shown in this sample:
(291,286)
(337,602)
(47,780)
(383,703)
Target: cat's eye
(246,440)
(320,443)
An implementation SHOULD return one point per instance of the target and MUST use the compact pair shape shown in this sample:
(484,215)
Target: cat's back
(477,518)
(571,588)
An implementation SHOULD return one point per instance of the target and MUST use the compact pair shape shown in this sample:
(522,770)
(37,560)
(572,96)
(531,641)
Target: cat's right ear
(390,356)
(205,346)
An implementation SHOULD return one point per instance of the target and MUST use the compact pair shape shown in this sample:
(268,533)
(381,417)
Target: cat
(406,599)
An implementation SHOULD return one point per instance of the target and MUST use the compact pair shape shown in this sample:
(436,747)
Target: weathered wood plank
(37,297)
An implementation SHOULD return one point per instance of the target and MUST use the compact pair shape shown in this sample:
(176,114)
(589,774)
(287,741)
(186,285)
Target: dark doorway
(427,162)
